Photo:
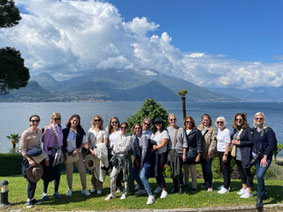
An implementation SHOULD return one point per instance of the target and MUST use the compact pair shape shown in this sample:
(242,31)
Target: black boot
(259,203)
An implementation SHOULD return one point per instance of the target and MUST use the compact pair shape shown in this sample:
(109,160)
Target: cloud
(70,38)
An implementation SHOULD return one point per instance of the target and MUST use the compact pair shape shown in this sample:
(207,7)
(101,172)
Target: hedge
(10,164)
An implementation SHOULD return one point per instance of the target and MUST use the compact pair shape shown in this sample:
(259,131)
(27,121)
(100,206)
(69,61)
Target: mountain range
(113,85)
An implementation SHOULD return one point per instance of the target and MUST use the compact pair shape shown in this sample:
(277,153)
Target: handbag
(191,155)
(71,158)
(233,151)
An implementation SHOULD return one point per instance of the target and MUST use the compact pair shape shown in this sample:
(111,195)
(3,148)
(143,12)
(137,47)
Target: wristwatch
(226,154)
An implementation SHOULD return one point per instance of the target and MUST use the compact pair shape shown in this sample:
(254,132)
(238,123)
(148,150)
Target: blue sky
(241,29)
(210,43)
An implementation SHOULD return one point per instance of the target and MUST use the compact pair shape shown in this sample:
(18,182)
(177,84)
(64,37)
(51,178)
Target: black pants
(57,174)
(31,189)
(161,160)
(225,168)
(245,174)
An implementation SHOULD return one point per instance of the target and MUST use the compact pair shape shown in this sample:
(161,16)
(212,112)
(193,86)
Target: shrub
(11,164)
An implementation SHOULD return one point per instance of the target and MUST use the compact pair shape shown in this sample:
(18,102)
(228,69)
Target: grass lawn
(17,196)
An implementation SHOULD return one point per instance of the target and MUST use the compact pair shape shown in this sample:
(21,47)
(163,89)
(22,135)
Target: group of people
(152,148)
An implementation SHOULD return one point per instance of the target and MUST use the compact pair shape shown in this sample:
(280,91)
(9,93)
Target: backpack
(275,148)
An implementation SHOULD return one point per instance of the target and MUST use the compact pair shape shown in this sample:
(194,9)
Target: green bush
(10,164)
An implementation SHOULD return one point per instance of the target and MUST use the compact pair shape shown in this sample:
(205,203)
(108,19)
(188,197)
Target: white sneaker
(242,191)
(92,190)
(223,191)
(85,192)
(69,193)
(109,197)
(150,200)
(124,196)
(163,194)
(222,186)
(140,192)
(157,190)
(98,191)
(246,195)
(137,187)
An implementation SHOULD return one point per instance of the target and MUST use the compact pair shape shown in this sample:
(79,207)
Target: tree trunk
(184,107)
(14,145)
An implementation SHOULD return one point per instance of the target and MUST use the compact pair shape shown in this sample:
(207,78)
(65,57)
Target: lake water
(14,116)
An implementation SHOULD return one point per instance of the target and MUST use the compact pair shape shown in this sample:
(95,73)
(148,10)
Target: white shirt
(113,137)
(96,137)
(71,141)
(157,137)
(223,137)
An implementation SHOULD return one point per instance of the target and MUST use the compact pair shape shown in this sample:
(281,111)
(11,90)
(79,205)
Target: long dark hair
(154,130)
(79,127)
(192,120)
(245,124)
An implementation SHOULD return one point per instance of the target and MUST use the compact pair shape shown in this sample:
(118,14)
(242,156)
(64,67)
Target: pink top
(48,138)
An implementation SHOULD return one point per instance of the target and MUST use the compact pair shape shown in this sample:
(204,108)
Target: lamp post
(4,193)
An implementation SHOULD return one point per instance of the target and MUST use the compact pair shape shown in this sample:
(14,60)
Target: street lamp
(4,193)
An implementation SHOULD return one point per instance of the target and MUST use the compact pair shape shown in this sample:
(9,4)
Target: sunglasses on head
(35,121)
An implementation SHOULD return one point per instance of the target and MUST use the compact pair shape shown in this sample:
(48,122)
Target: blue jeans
(145,181)
(206,170)
(137,177)
(260,171)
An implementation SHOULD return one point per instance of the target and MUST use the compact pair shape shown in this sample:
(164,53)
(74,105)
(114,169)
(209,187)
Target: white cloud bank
(67,38)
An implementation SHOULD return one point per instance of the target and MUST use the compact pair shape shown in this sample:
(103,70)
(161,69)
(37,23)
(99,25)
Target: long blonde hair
(101,125)
(53,115)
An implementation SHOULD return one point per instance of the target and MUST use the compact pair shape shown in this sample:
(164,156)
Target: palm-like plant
(14,139)
(183,93)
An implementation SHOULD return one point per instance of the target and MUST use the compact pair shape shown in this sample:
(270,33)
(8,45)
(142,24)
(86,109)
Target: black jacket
(195,139)
(79,137)
(246,145)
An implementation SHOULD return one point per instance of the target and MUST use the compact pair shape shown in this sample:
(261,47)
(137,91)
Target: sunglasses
(57,119)
(220,122)
(114,122)
(97,120)
(172,119)
(124,127)
(146,123)
(189,122)
(35,121)
(137,128)
(239,119)
(258,119)
(158,123)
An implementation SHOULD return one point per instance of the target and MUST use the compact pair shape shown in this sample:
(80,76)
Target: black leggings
(245,174)
(161,161)
(225,168)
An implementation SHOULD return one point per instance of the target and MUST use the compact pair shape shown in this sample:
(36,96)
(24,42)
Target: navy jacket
(195,139)
(246,145)
(264,142)
(79,137)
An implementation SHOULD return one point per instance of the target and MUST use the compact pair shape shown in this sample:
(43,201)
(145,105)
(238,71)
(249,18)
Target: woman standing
(177,154)
(146,127)
(114,132)
(161,137)
(264,142)
(120,150)
(30,139)
(209,144)
(74,139)
(223,146)
(52,142)
(242,138)
(194,139)
(97,135)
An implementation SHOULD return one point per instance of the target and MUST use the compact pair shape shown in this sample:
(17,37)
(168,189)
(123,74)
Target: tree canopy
(13,73)
(9,14)
(151,109)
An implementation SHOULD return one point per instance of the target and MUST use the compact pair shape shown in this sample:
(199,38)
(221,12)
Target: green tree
(151,109)
(9,14)
(13,73)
